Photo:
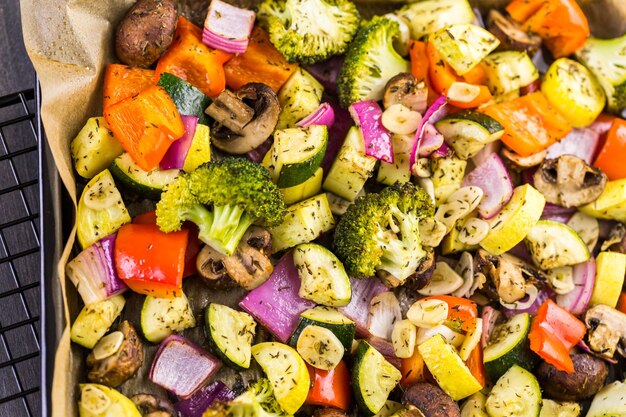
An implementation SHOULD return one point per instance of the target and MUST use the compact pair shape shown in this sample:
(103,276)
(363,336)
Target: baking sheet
(70,43)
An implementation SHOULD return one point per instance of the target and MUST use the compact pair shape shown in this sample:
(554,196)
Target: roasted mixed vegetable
(297,210)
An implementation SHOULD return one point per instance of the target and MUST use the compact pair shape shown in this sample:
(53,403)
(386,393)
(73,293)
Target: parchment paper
(70,42)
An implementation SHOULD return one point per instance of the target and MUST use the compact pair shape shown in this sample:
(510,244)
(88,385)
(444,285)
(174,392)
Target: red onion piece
(433,114)
(202,399)
(93,272)
(431,140)
(576,301)
(557,213)
(258,153)
(323,115)
(493,178)
(490,319)
(182,367)
(483,154)
(583,143)
(227,27)
(442,151)
(276,304)
(368,117)
(521,251)
(326,72)
(384,311)
(175,156)
(385,348)
(363,290)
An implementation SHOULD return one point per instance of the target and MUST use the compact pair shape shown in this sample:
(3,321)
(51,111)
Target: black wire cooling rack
(20,303)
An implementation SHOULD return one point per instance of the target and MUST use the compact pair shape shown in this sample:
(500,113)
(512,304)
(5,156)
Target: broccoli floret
(223,198)
(309,31)
(380,232)
(606,59)
(370,62)
(257,401)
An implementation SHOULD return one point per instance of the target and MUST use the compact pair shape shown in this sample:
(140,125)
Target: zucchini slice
(373,378)
(287,372)
(516,394)
(296,154)
(94,321)
(160,317)
(101,210)
(508,346)
(145,183)
(319,347)
(307,189)
(329,318)
(304,222)
(463,45)
(428,16)
(351,167)
(188,99)
(509,71)
(94,148)
(447,176)
(323,277)
(230,333)
(469,131)
(553,245)
(298,98)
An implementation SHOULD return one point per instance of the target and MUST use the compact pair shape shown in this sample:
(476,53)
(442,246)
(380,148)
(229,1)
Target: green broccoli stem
(226,228)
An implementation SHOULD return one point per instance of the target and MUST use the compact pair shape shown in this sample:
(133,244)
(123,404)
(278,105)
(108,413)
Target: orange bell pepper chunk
(476,76)
(150,261)
(412,369)
(608,159)
(121,81)
(554,331)
(145,125)
(476,365)
(330,388)
(531,123)
(261,63)
(419,60)
(441,75)
(560,23)
(188,58)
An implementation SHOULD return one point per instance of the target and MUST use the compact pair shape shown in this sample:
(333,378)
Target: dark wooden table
(19,225)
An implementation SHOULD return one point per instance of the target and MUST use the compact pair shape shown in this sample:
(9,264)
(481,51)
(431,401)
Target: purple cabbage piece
(276,304)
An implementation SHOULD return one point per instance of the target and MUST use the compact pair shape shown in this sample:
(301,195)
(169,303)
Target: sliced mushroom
(249,266)
(121,364)
(510,34)
(606,330)
(616,242)
(569,181)
(523,162)
(416,281)
(232,131)
(152,406)
(406,90)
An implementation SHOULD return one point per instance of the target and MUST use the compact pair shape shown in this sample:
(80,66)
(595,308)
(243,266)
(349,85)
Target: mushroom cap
(568,181)
(406,90)
(510,34)
(266,107)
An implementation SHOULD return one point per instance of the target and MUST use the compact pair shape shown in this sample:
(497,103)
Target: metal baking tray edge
(55,224)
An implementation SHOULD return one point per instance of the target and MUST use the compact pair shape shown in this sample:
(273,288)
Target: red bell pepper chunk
(553,333)
(476,365)
(150,261)
(330,388)
(193,243)
(460,310)
(614,145)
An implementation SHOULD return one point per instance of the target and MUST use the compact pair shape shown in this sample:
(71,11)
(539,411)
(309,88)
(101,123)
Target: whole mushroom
(569,181)
(406,90)
(606,330)
(431,400)
(116,359)
(249,266)
(510,34)
(243,119)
